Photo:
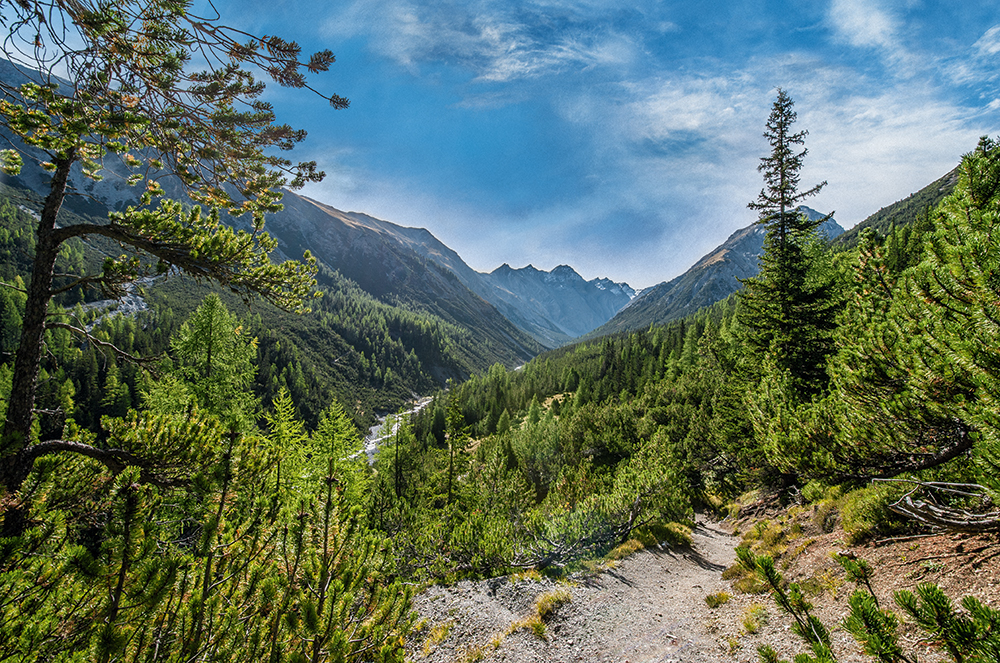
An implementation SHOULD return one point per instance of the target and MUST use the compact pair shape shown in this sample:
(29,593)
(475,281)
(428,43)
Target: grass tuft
(630,547)
(754,617)
(715,600)
(438,634)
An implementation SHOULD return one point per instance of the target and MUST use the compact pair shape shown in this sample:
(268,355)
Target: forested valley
(187,482)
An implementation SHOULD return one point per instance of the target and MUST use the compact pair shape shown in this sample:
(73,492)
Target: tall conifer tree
(787,311)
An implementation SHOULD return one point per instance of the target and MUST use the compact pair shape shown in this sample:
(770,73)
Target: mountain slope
(379,257)
(553,307)
(713,278)
(904,211)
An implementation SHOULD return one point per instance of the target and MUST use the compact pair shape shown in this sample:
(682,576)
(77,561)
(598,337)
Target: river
(376,435)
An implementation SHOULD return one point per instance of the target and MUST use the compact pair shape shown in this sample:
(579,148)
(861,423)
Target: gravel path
(648,608)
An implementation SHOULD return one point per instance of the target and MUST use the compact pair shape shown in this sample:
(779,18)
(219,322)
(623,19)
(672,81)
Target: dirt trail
(649,608)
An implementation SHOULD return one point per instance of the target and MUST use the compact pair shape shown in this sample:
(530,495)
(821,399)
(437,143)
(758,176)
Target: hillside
(713,278)
(410,264)
(902,212)
(552,307)
(354,347)
(380,258)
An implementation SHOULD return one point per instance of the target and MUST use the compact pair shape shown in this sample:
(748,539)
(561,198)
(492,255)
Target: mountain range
(385,260)
(515,312)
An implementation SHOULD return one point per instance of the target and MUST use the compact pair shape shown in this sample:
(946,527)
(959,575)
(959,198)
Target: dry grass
(630,547)
(545,605)
(754,617)
(438,634)
(715,600)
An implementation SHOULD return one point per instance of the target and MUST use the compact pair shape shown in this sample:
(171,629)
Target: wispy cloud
(659,111)
(866,24)
(496,41)
(989,43)
(863,24)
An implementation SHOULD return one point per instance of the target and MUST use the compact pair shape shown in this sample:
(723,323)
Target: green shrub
(766,536)
(866,512)
(754,617)
(773,536)
(750,585)
(675,534)
(813,491)
(744,581)
(733,572)
(965,635)
(825,515)
(716,504)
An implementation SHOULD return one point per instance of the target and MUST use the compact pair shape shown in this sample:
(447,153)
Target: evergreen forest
(188,482)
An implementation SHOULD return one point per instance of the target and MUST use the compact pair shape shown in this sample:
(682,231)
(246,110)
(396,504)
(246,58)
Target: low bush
(674,534)
(754,617)
(825,514)
(813,491)
(866,513)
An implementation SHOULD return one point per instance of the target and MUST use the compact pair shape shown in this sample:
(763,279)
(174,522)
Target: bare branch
(144,362)
(13,287)
(957,520)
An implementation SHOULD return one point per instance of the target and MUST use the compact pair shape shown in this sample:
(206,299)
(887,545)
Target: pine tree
(894,399)
(953,304)
(129,95)
(788,311)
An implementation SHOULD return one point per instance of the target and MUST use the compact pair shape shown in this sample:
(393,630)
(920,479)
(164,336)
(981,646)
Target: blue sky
(623,139)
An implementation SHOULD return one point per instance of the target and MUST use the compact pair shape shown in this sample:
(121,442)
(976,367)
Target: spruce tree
(787,310)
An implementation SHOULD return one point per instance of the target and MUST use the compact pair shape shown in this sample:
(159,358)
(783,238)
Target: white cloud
(875,149)
(496,41)
(673,145)
(989,43)
(863,24)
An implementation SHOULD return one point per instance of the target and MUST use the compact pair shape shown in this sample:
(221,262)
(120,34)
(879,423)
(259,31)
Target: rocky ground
(647,607)
(650,607)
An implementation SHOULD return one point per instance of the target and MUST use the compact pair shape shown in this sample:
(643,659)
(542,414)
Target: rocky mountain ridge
(713,278)
(557,306)
(552,307)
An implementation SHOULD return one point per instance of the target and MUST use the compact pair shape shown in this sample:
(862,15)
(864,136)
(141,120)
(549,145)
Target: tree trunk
(20,408)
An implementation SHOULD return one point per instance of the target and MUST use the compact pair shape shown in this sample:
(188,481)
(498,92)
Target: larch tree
(117,81)
(218,359)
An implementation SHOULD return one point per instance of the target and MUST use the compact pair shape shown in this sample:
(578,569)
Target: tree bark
(20,408)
